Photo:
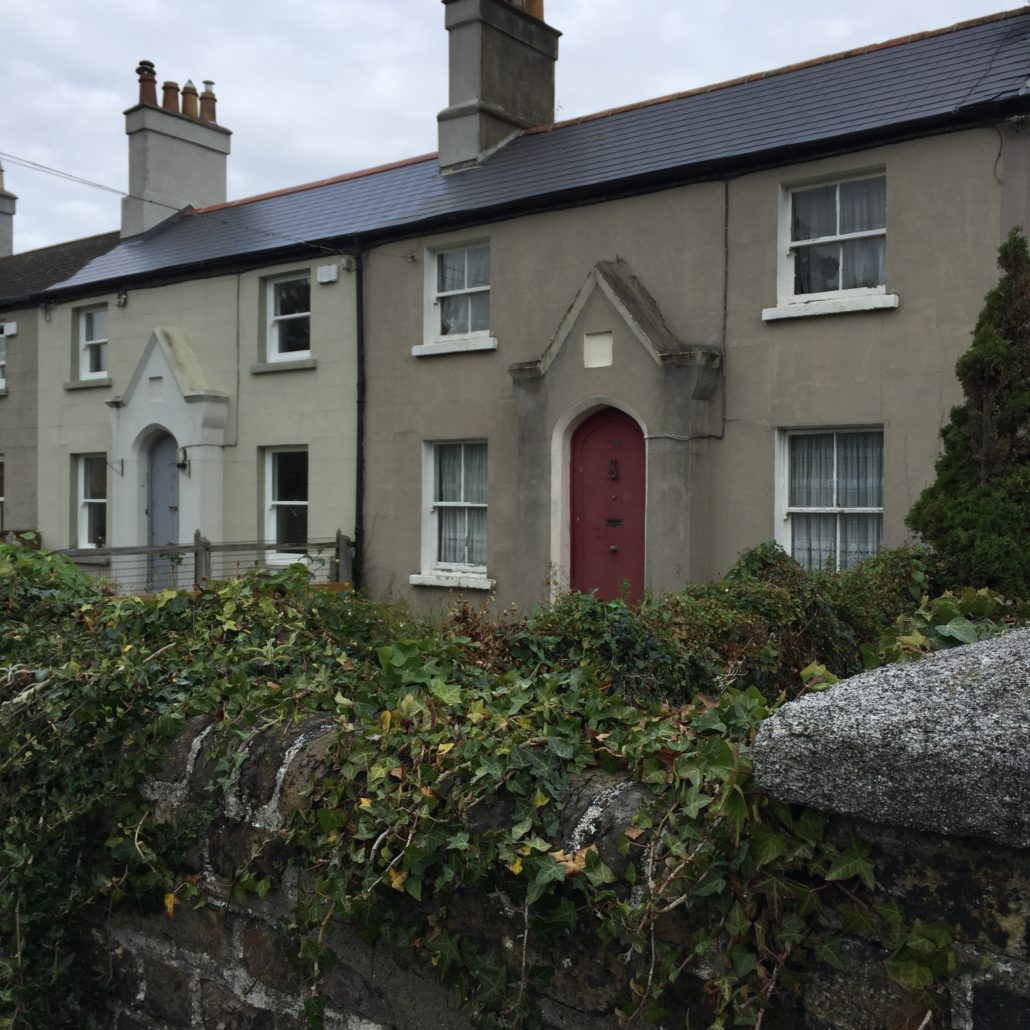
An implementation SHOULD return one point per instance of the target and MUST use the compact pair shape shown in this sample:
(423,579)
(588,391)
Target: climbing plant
(455,750)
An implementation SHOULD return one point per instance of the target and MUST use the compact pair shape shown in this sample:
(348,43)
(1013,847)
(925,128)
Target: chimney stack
(8,202)
(177,157)
(501,76)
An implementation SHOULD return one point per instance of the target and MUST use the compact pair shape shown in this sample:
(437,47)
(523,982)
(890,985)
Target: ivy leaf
(711,884)
(853,862)
(448,693)
(562,748)
(768,846)
(913,976)
(547,871)
(829,952)
(960,629)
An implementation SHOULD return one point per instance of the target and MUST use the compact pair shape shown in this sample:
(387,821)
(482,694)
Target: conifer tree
(976,514)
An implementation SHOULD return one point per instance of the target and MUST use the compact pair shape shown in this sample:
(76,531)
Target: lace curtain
(840,471)
(461,481)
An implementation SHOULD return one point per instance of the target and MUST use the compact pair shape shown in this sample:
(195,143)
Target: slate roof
(22,275)
(956,76)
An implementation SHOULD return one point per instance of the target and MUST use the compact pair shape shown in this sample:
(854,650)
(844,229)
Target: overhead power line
(36,166)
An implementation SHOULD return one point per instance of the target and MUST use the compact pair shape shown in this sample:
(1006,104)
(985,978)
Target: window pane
(448,472)
(860,470)
(476,536)
(96,523)
(860,538)
(94,478)
(479,266)
(96,325)
(816,268)
(96,357)
(479,317)
(293,297)
(290,476)
(814,213)
(3,351)
(813,539)
(811,471)
(863,204)
(291,524)
(454,314)
(475,473)
(863,262)
(450,271)
(451,543)
(294,334)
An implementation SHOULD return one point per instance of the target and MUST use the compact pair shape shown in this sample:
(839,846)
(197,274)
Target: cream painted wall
(886,368)
(222,322)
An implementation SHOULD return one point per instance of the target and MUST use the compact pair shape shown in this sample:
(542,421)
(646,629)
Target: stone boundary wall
(233,963)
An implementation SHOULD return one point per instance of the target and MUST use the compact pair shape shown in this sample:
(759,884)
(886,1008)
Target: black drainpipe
(359,485)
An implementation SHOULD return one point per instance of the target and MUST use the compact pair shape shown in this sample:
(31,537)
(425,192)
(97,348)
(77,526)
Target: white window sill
(833,306)
(454,345)
(88,383)
(452,580)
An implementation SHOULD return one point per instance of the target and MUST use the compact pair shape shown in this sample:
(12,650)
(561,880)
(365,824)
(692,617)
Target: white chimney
(177,157)
(501,76)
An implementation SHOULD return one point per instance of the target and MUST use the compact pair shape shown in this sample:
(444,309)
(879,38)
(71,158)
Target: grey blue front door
(162,511)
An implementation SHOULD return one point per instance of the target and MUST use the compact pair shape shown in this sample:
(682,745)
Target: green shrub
(976,513)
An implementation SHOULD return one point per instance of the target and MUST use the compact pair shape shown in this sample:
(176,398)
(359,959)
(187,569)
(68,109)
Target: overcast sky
(323,87)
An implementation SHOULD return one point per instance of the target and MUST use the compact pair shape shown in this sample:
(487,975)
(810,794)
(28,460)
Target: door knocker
(613,469)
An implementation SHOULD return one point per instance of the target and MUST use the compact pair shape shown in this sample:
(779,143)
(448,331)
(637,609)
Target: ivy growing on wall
(455,751)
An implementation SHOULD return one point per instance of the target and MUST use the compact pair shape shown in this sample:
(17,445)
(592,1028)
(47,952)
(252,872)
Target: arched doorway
(607,501)
(162,509)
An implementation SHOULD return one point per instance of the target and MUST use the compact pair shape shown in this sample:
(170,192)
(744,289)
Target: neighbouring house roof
(24,275)
(962,75)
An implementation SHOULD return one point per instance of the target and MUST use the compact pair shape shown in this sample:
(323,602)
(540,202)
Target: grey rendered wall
(710,498)
(539,264)
(18,418)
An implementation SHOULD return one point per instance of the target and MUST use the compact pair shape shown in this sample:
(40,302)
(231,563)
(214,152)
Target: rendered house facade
(607,354)
(764,349)
(189,401)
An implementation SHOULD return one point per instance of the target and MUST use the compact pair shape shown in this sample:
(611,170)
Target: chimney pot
(189,99)
(147,83)
(207,102)
(535,8)
(170,97)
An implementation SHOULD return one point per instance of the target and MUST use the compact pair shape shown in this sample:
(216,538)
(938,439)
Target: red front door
(608,482)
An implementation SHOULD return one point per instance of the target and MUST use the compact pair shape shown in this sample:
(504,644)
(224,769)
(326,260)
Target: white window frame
(783,510)
(433,340)
(85,344)
(273,352)
(3,356)
(83,502)
(273,503)
(436,573)
(830,302)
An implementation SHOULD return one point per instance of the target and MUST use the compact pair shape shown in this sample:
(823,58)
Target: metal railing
(145,570)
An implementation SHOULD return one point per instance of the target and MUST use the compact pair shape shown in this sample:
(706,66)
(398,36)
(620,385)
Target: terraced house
(607,353)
